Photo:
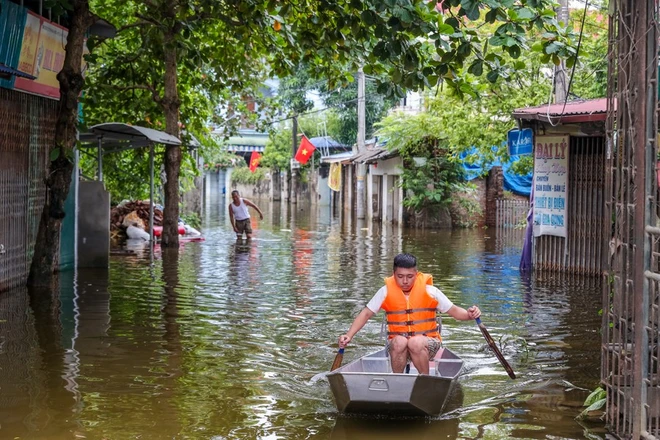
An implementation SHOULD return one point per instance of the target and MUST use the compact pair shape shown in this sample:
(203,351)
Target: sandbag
(136,232)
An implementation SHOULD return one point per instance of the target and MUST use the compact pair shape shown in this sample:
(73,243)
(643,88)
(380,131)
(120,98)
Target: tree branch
(133,25)
(150,20)
(154,93)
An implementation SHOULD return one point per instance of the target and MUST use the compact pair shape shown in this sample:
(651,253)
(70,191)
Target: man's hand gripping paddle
(496,350)
(337,362)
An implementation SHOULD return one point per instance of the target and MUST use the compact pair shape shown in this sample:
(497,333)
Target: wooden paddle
(337,363)
(496,350)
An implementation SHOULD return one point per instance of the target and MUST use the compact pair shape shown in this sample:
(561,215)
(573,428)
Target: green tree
(344,100)
(191,54)
(45,261)
(278,152)
(430,172)
(590,78)
(207,48)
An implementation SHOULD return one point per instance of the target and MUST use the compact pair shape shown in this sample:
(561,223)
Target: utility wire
(318,110)
(577,54)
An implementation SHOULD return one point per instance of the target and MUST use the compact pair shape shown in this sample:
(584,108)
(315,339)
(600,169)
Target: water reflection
(219,339)
(366,429)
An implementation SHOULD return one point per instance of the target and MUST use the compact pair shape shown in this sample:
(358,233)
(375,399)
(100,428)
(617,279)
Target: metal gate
(581,252)
(511,213)
(27,130)
(631,293)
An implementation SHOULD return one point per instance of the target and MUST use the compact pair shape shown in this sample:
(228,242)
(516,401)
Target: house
(29,94)
(383,193)
(570,153)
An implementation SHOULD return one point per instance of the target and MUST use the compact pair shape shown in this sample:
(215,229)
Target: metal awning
(340,157)
(136,135)
(9,71)
(113,137)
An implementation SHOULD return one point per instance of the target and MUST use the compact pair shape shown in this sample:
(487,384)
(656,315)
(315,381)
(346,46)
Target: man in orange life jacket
(411,303)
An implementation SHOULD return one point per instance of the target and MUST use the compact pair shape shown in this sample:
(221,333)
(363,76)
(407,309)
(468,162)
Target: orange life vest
(414,315)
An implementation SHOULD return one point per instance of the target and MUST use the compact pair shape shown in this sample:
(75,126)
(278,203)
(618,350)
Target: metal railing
(511,213)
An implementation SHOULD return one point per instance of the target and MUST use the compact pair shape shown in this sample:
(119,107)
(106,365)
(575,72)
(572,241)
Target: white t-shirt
(444,303)
(241,211)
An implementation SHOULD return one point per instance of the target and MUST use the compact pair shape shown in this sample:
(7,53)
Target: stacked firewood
(135,211)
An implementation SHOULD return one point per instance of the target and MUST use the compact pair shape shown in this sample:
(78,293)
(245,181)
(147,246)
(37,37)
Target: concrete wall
(93,225)
(68,234)
(261,190)
(323,190)
(390,167)
(384,196)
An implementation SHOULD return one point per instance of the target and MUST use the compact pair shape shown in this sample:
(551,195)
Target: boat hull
(368,385)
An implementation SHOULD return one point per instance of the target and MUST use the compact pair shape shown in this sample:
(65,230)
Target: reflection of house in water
(21,378)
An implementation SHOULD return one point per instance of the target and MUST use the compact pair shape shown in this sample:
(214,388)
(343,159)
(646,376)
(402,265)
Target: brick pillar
(494,192)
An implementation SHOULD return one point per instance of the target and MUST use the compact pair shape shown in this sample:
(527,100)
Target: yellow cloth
(334,179)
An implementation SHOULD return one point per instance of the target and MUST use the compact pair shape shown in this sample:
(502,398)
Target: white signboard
(550,185)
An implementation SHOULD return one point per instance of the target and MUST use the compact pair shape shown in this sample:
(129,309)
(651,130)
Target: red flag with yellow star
(305,150)
(254,161)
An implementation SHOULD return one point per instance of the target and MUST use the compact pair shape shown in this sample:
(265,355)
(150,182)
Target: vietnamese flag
(305,150)
(254,161)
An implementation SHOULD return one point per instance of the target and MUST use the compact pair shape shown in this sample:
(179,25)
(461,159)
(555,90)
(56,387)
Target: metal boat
(367,385)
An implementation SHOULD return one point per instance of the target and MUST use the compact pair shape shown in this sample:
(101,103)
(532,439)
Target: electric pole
(361,167)
(561,82)
(294,181)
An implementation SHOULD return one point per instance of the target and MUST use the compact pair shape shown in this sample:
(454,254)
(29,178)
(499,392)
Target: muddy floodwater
(221,340)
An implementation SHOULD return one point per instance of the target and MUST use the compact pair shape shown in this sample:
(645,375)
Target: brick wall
(494,192)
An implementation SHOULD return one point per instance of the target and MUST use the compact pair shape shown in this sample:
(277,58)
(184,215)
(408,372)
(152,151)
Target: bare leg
(398,353)
(419,353)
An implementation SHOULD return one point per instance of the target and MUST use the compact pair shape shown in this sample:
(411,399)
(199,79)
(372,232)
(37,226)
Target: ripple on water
(223,340)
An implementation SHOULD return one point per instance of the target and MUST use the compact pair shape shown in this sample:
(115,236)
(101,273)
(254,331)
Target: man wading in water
(240,216)
(411,303)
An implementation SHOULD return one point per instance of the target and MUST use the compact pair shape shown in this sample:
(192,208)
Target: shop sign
(520,142)
(550,185)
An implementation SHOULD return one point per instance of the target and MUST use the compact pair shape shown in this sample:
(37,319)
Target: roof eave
(565,119)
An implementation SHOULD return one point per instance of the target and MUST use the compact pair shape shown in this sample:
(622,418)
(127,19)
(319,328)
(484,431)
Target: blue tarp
(517,184)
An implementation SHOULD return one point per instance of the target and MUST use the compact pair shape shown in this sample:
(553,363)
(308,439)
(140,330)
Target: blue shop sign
(520,142)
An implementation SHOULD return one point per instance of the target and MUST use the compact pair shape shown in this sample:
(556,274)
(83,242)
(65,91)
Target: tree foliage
(279,150)
(175,60)
(481,117)
(344,100)
(430,173)
(590,78)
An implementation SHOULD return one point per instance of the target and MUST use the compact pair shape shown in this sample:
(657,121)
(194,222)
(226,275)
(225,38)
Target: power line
(577,54)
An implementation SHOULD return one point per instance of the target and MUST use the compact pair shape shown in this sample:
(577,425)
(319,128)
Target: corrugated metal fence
(581,251)
(27,128)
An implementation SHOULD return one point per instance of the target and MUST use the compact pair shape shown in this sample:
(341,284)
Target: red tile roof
(575,111)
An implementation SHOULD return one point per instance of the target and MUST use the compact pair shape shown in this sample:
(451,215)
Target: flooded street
(221,340)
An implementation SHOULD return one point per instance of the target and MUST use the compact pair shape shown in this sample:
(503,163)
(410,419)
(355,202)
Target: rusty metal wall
(27,129)
(581,252)
(631,301)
